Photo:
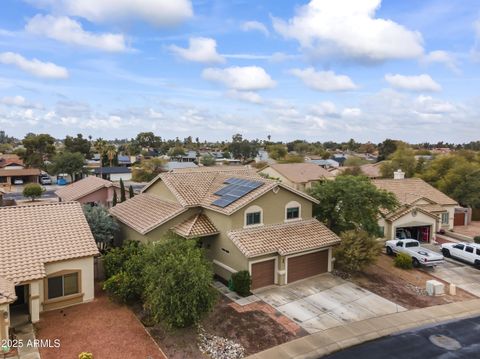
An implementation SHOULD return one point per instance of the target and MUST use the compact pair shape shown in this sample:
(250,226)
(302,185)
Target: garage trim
(275,273)
(329,249)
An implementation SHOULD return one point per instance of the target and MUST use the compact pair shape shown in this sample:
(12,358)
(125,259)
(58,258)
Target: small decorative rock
(342,274)
(417,290)
(218,347)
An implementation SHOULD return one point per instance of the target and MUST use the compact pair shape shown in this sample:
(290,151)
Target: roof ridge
(38,204)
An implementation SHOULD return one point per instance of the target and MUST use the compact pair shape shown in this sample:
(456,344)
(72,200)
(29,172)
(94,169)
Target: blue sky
(316,70)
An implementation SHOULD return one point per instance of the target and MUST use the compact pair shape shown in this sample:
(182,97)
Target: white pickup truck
(468,252)
(419,255)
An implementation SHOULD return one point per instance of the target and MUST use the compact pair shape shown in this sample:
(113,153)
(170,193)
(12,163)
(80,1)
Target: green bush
(403,260)
(33,191)
(241,282)
(357,250)
(476,239)
(85,355)
(178,281)
(115,259)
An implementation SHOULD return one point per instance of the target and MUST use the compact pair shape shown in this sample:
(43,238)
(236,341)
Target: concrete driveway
(463,275)
(326,301)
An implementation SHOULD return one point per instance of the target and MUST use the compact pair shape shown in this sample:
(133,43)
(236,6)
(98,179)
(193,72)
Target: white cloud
(255,26)
(441,57)
(248,78)
(200,49)
(69,31)
(156,12)
(323,80)
(429,105)
(18,101)
(421,82)
(325,108)
(349,29)
(247,96)
(34,66)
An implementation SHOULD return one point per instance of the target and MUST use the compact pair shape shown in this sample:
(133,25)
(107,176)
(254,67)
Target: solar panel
(236,188)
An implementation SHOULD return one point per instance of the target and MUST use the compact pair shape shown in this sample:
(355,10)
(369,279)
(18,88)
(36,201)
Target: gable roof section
(197,189)
(79,189)
(285,238)
(145,212)
(197,226)
(7,291)
(301,172)
(409,190)
(406,209)
(34,235)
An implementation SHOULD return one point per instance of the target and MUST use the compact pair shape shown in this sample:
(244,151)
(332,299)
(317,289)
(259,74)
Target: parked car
(45,179)
(468,252)
(18,181)
(411,247)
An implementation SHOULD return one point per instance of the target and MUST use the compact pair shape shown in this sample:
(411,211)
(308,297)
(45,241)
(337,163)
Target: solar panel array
(236,188)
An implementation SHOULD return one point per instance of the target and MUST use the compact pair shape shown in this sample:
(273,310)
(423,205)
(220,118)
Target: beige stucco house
(244,222)
(89,190)
(423,210)
(300,176)
(47,254)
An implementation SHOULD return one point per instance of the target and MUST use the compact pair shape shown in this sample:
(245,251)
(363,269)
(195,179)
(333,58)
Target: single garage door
(307,265)
(263,274)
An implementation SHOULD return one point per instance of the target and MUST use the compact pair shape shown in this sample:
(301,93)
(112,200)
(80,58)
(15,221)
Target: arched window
(293,211)
(253,216)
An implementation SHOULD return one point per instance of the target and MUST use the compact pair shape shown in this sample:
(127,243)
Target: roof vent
(399,174)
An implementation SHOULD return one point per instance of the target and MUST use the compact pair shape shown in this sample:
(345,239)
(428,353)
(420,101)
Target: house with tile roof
(89,190)
(301,176)
(423,210)
(12,168)
(47,260)
(242,220)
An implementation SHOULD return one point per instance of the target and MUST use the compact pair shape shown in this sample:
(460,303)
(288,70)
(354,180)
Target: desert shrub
(33,191)
(85,355)
(114,260)
(241,282)
(178,281)
(403,260)
(476,239)
(357,250)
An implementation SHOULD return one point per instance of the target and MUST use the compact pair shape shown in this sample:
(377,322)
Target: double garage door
(298,267)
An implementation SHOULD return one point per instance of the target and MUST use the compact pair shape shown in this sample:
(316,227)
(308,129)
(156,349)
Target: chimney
(399,174)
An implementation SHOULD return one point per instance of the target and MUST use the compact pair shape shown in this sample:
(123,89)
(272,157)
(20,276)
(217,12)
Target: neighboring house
(244,221)
(423,210)
(300,176)
(124,161)
(371,170)
(89,190)
(190,156)
(324,163)
(12,168)
(113,173)
(173,165)
(47,261)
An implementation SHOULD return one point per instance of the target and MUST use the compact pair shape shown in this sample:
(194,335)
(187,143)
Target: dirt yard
(472,230)
(254,330)
(102,327)
(404,287)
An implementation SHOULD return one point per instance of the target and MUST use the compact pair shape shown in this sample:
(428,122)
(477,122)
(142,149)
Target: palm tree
(111,152)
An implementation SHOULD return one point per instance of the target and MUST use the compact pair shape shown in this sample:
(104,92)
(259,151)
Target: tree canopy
(33,191)
(77,144)
(68,162)
(103,226)
(38,148)
(351,202)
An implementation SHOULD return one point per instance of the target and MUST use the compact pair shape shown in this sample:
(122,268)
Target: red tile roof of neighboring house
(301,172)
(81,188)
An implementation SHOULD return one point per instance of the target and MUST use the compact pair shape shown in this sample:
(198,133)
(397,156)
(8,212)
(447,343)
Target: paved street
(326,301)
(453,340)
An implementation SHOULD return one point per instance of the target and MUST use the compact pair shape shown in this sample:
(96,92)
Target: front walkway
(326,301)
(334,339)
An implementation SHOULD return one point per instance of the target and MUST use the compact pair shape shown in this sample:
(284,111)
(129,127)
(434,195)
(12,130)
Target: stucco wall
(159,189)
(420,219)
(4,324)
(99,196)
(124,176)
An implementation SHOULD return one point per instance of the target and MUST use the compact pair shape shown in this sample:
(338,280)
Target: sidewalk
(331,340)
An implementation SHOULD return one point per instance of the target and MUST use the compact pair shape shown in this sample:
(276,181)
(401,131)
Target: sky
(316,70)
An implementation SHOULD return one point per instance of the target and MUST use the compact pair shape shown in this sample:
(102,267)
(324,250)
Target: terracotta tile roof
(405,209)
(409,190)
(431,207)
(31,236)
(197,226)
(301,172)
(285,238)
(19,172)
(7,291)
(197,188)
(81,188)
(145,212)
(231,169)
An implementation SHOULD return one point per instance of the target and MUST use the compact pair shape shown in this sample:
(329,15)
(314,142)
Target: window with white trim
(253,216)
(292,211)
(445,218)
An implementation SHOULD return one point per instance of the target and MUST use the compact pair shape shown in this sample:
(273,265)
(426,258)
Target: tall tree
(403,158)
(67,162)
(78,144)
(131,193)
(38,148)
(386,148)
(123,196)
(103,226)
(351,203)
